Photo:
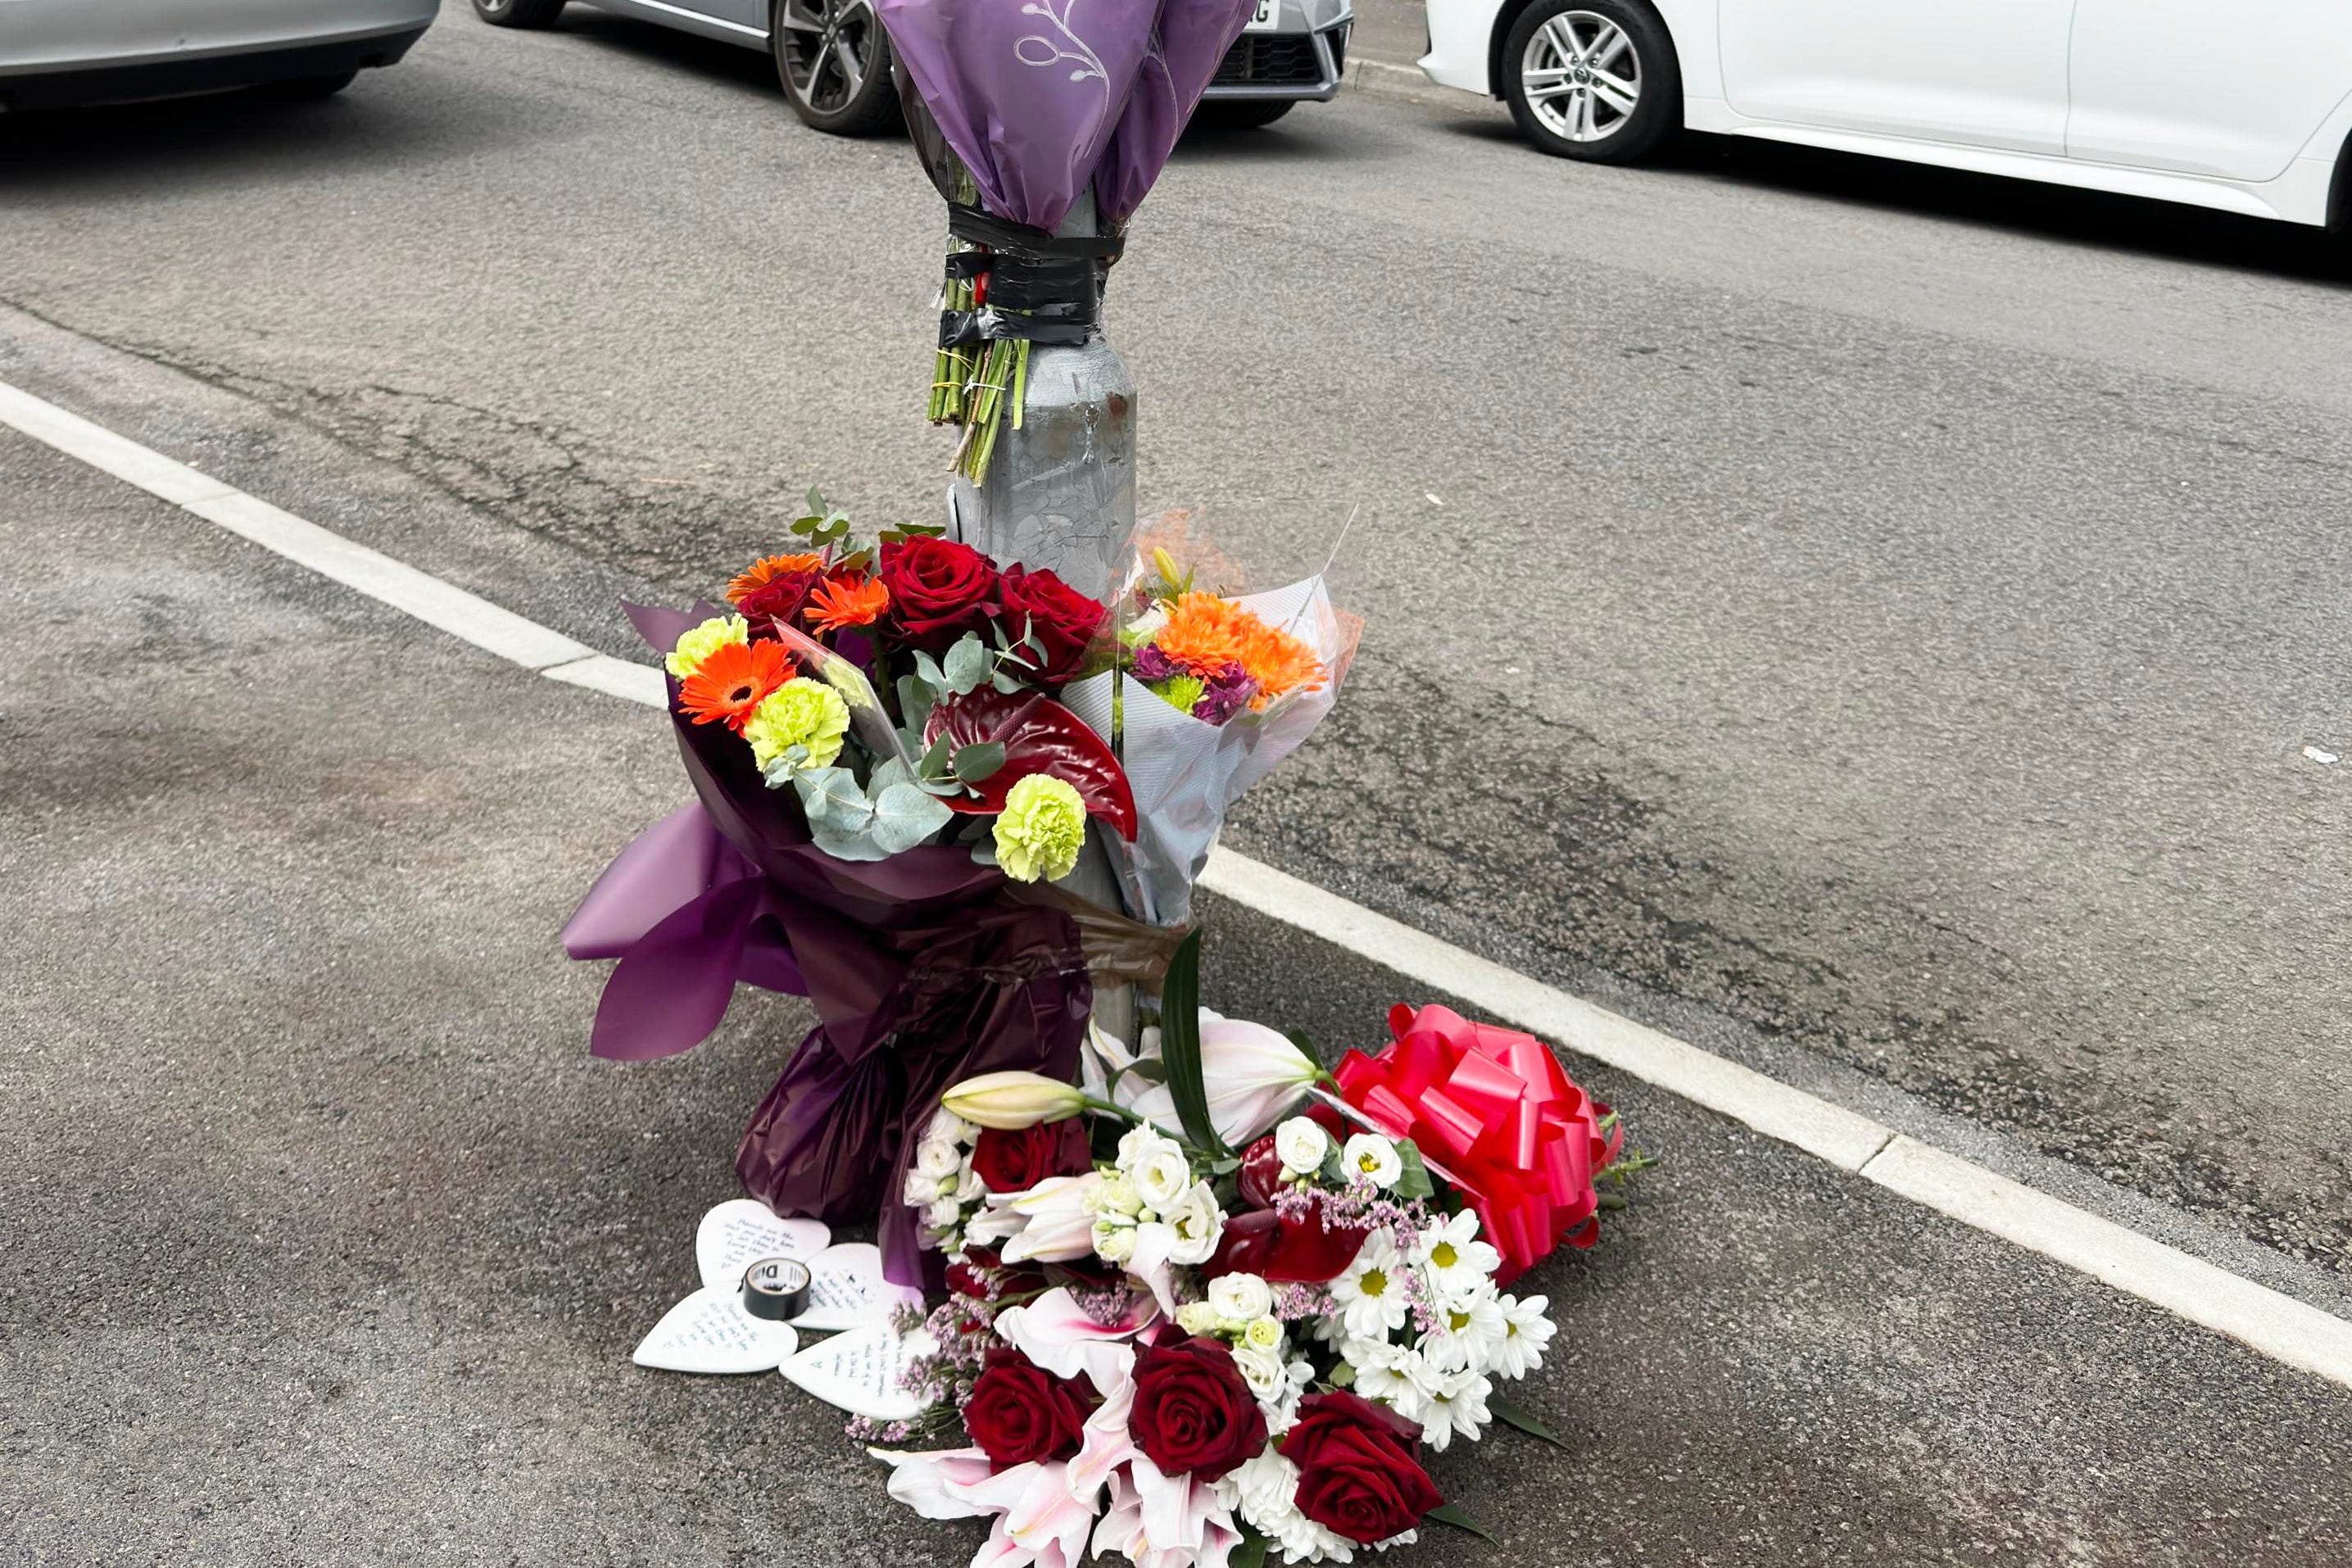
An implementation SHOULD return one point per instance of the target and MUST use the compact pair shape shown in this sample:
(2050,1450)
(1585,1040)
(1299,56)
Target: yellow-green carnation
(800,712)
(694,645)
(1040,830)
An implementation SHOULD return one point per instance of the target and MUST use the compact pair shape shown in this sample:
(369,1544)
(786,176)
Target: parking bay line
(2267,1320)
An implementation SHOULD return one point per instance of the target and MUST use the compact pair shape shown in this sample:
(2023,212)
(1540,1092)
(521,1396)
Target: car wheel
(1594,79)
(518,13)
(833,59)
(1240,113)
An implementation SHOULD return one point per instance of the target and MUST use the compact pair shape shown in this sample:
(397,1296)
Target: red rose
(939,589)
(1359,1471)
(1019,1411)
(779,598)
(1193,1410)
(1062,618)
(1016,1162)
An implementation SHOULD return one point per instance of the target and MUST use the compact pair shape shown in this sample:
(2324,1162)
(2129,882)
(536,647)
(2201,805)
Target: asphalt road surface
(1866,620)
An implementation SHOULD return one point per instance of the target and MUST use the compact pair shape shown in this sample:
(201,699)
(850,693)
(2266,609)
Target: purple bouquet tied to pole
(1043,123)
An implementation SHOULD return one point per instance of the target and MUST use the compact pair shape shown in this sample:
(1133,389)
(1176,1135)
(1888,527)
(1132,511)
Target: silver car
(835,60)
(58,52)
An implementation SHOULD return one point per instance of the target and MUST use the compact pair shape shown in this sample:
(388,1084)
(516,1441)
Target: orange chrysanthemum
(763,573)
(848,602)
(728,684)
(1208,635)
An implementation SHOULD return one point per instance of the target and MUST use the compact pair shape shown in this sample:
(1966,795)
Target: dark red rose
(1308,1249)
(1193,1410)
(1063,619)
(1359,1471)
(1019,1411)
(1016,1162)
(939,589)
(779,598)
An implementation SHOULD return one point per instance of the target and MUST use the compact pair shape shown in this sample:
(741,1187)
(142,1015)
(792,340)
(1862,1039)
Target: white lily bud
(1010,1101)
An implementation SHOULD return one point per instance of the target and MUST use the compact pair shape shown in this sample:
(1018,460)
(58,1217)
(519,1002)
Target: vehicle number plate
(1267,16)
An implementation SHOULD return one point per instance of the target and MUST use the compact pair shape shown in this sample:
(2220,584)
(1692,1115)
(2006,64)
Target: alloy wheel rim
(828,49)
(1581,77)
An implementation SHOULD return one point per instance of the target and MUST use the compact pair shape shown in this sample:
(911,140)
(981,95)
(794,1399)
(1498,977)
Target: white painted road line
(2274,1324)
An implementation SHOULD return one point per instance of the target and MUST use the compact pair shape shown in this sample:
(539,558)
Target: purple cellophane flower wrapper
(1038,97)
(923,969)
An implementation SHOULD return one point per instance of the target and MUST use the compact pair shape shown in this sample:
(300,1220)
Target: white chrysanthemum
(1450,1253)
(1263,1491)
(1392,1374)
(1198,1222)
(938,1158)
(1370,1291)
(1240,1299)
(1301,1143)
(1156,1164)
(1471,1327)
(1454,1405)
(1526,1332)
(1370,1154)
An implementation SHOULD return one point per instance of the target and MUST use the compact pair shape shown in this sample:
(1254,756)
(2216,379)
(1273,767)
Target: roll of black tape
(776,1289)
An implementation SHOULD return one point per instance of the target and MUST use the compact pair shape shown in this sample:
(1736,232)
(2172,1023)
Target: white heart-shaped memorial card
(741,1231)
(847,1289)
(710,1331)
(858,1372)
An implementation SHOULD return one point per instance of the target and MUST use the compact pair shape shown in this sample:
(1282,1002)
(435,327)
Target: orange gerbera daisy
(1207,635)
(763,573)
(728,684)
(841,602)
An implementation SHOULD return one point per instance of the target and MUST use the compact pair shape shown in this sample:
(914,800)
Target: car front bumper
(1303,60)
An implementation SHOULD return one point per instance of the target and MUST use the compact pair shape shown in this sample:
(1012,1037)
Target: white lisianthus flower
(919,1190)
(969,1187)
(1253,1074)
(1370,1291)
(1199,1224)
(1370,1154)
(1301,1143)
(1157,1166)
(1239,1299)
(1114,1194)
(1114,1240)
(938,1158)
(946,1127)
(1392,1374)
(1263,1334)
(1197,1318)
(1456,1403)
(943,1213)
(1526,1332)
(1262,1370)
(1264,1492)
(1471,1328)
(1451,1256)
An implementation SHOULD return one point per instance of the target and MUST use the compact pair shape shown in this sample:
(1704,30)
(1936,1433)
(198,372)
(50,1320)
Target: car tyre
(518,13)
(1241,114)
(1595,81)
(833,60)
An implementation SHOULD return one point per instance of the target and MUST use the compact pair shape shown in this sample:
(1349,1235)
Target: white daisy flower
(1392,1374)
(1450,1254)
(1526,1332)
(1370,1291)
(1455,1405)
(1470,1328)
(1370,1154)
(1301,1143)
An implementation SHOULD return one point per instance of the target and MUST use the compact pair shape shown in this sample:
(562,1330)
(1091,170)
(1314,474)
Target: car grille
(1270,59)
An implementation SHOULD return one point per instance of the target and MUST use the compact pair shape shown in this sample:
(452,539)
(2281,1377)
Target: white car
(2245,106)
(59,52)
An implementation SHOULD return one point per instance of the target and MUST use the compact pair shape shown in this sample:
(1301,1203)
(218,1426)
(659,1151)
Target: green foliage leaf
(1250,1552)
(916,696)
(833,801)
(929,668)
(904,816)
(979,762)
(1413,1182)
(1505,1411)
(1179,1045)
(967,665)
(1446,1514)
